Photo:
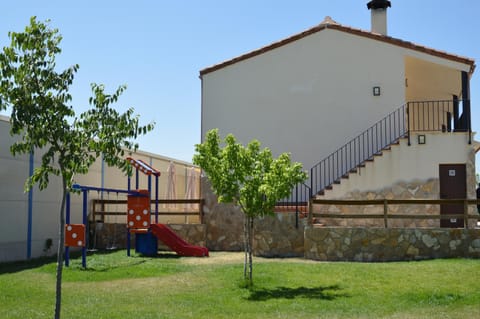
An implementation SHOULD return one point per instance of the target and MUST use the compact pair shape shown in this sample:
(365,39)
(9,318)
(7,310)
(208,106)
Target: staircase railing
(418,116)
(360,149)
(297,201)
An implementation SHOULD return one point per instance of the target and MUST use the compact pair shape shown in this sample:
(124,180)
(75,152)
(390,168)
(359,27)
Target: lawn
(116,286)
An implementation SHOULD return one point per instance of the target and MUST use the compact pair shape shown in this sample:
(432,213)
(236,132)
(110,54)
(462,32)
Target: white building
(338,97)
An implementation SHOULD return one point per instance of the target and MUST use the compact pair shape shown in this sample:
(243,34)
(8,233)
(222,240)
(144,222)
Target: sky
(157,47)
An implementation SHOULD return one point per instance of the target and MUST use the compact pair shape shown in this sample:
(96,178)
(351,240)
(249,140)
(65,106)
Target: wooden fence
(386,202)
(101,208)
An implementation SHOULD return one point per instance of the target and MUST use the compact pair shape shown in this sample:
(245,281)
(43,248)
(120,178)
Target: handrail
(299,197)
(360,149)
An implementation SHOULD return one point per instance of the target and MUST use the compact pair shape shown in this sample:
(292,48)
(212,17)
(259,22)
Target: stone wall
(273,235)
(114,236)
(108,236)
(194,234)
(224,222)
(278,236)
(382,244)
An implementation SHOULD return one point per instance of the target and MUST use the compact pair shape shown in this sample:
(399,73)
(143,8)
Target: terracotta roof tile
(328,23)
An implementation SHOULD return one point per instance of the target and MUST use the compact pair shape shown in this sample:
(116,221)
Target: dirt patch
(224,258)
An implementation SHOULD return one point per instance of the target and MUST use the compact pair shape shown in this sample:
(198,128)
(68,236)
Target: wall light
(421,139)
(376,91)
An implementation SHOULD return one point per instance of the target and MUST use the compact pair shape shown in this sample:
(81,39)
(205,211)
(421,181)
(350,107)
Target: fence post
(465,213)
(201,212)
(408,123)
(385,212)
(296,206)
(310,212)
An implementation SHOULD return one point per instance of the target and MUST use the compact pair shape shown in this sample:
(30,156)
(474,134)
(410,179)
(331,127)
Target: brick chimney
(378,9)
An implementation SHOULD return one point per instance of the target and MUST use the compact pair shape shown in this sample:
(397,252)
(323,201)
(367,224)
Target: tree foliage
(248,177)
(42,117)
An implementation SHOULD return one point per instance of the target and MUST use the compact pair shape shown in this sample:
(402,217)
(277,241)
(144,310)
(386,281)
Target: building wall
(308,97)
(405,163)
(45,206)
(13,209)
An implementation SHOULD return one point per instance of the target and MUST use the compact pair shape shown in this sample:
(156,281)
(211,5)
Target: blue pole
(98,189)
(136,179)
(84,220)
(30,209)
(67,221)
(128,242)
(156,199)
(149,183)
(150,193)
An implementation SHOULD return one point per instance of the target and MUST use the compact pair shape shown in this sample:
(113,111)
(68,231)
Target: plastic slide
(177,244)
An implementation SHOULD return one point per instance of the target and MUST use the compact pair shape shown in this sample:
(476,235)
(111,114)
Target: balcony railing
(444,116)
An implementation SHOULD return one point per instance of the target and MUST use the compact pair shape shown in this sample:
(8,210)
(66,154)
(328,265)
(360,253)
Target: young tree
(39,99)
(248,177)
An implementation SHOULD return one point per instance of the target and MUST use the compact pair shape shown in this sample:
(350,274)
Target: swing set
(138,220)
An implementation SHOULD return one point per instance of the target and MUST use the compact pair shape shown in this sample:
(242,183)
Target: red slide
(172,240)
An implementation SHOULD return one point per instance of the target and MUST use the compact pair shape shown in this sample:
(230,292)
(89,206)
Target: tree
(39,99)
(248,177)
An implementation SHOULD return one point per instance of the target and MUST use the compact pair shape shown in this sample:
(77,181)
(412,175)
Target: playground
(140,222)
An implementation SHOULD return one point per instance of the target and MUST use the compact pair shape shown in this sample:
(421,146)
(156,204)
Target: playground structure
(139,219)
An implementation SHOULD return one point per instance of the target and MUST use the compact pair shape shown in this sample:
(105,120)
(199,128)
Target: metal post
(385,212)
(310,212)
(156,199)
(128,242)
(465,213)
(84,220)
(150,184)
(296,206)
(136,178)
(408,123)
(67,221)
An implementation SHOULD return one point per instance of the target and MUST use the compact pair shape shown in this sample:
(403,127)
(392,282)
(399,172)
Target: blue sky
(158,47)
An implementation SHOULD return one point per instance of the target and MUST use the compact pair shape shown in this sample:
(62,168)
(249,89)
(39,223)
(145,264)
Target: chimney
(378,9)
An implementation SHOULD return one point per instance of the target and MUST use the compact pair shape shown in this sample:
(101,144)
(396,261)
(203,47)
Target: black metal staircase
(419,116)
(362,148)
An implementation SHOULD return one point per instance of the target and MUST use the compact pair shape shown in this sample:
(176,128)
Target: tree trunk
(250,253)
(60,252)
(245,245)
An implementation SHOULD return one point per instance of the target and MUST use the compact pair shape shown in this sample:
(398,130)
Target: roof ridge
(329,23)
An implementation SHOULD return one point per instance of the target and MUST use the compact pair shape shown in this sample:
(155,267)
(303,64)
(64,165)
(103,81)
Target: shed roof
(328,23)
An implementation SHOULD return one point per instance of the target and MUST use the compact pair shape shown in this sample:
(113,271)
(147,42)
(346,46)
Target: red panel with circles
(138,210)
(75,235)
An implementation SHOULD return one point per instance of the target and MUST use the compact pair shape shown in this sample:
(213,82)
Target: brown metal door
(453,185)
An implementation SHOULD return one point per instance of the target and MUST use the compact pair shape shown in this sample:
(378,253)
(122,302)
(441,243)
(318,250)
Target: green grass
(116,286)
